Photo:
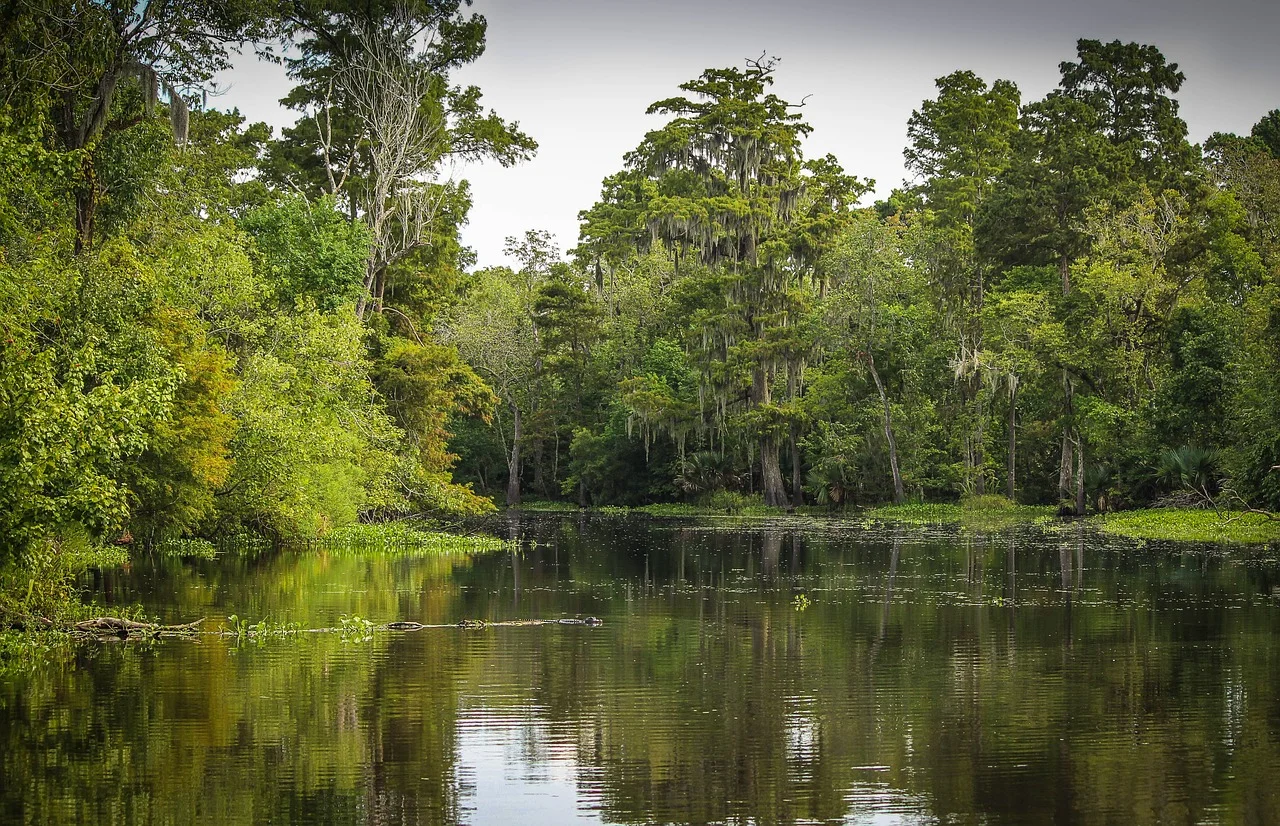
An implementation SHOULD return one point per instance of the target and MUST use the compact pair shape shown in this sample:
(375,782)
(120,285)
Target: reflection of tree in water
(770,553)
(705,697)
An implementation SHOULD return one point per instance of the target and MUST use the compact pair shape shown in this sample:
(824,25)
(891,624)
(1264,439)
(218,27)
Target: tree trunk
(1080,503)
(513,463)
(775,493)
(793,387)
(980,421)
(380,290)
(771,485)
(1067,461)
(979,449)
(898,493)
(1013,441)
(1065,468)
(797,487)
(86,208)
(1065,473)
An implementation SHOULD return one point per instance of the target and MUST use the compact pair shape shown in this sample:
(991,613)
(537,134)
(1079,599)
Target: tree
(498,332)
(100,68)
(1063,164)
(1129,85)
(959,144)
(876,309)
(381,119)
(727,174)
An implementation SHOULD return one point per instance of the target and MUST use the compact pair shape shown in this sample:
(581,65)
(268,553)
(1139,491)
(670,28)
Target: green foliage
(86,385)
(40,584)
(239,332)
(732,502)
(405,538)
(308,251)
(423,385)
(187,548)
(313,447)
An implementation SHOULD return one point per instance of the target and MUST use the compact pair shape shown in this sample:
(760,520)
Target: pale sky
(578,75)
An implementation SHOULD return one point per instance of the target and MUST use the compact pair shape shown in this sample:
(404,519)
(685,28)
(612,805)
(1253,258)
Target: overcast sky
(578,75)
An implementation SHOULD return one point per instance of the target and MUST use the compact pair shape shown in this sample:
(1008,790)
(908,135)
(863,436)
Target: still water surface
(793,671)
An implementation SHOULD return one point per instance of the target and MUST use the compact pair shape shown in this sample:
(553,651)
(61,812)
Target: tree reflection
(706,697)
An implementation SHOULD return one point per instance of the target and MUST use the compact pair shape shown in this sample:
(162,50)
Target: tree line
(208,327)
(1068,304)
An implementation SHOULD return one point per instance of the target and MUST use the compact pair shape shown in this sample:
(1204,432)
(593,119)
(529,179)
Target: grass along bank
(981,510)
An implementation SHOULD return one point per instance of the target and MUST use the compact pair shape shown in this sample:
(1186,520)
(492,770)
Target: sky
(578,75)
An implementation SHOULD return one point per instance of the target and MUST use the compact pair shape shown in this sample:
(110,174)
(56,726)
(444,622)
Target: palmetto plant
(830,481)
(704,472)
(1192,468)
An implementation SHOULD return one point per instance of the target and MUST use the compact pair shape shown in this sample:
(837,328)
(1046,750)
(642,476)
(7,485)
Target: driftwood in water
(124,627)
(478,623)
(107,627)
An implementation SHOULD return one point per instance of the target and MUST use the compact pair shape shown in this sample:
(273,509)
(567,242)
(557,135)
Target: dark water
(932,676)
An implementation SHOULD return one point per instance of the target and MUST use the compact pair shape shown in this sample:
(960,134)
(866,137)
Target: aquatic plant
(187,548)
(355,628)
(990,512)
(1191,525)
(403,537)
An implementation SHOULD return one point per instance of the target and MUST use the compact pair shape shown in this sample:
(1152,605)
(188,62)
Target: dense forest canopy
(208,327)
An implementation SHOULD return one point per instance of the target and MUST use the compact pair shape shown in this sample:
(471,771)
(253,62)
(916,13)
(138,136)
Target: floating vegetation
(404,537)
(734,505)
(983,512)
(239,627)
(1188,525)
(187,549)
(547,506)
(355,628)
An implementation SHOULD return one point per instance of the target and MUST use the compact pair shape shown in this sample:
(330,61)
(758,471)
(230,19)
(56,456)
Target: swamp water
(789,671)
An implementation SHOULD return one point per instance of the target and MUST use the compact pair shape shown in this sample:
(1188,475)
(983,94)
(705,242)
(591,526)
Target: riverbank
(981,513)
(42,583)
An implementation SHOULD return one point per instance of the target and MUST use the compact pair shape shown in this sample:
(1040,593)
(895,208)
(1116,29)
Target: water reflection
(1035,676)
